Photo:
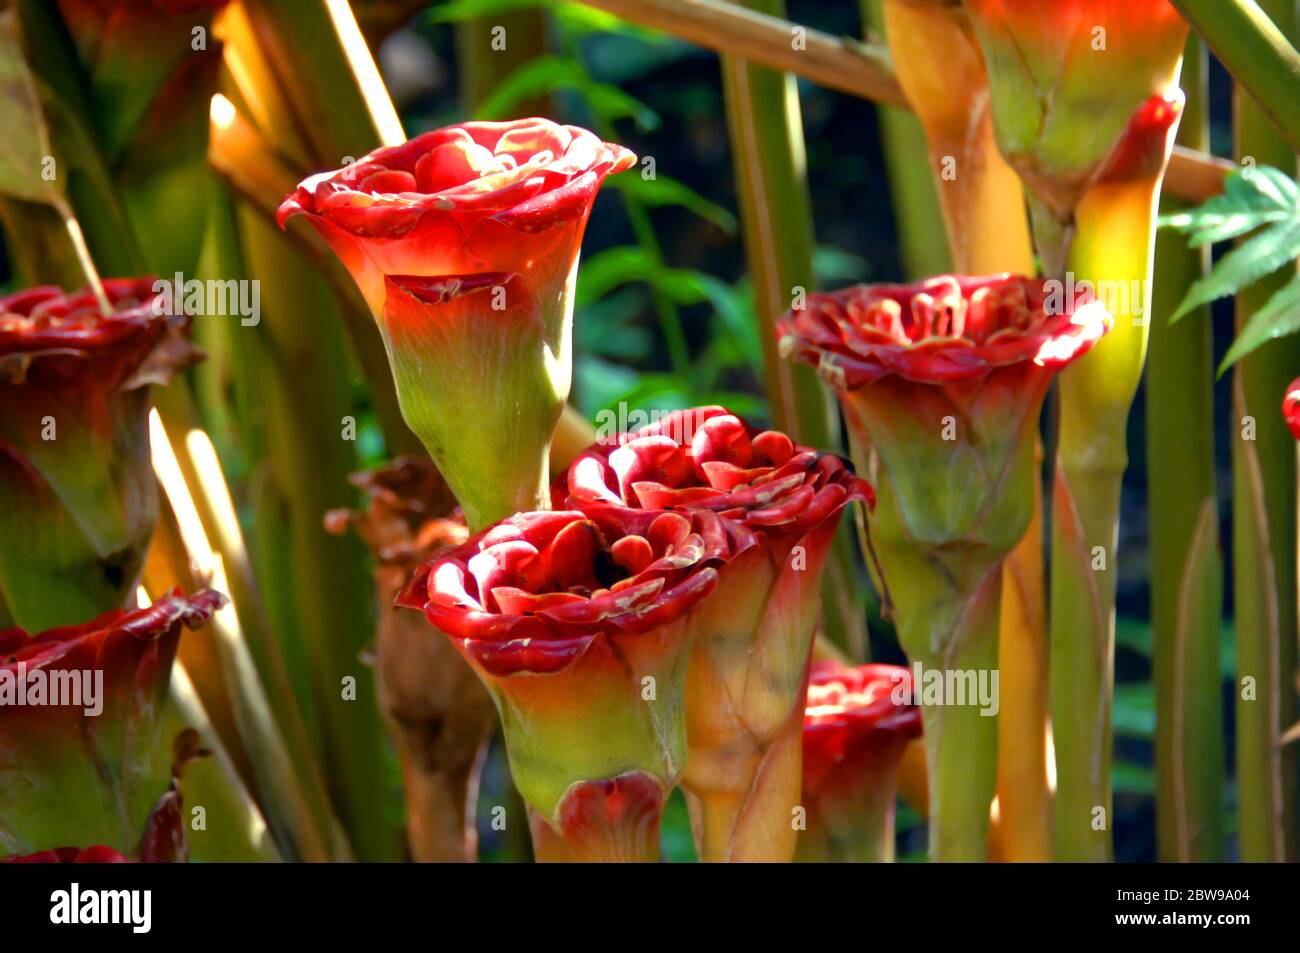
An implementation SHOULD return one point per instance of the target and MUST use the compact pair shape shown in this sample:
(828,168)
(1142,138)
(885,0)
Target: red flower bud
(79,712)
(854,734)
(578,625)
(1291,408)
(74,446)
(753,638)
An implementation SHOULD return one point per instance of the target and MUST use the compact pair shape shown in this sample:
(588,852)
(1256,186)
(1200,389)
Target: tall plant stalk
(1113,247)
(1252,39)
(766,129)
(983,211)
(1186,562)
(918,220)
(1264,534)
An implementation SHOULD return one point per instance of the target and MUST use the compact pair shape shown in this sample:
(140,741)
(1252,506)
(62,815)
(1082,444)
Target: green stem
(1257,52)
(1113,247)
(766,130)
(1264,534)
(1186,565)
(947,600)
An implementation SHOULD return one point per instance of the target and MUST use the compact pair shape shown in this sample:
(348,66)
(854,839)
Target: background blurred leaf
(547,74)
(24,136)
(664,191)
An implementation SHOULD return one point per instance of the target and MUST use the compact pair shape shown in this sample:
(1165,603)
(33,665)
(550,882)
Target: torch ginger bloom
(75,471)
(102,743)
(941,383)
(854,733)
(753,639)
(465,243)
(578,625)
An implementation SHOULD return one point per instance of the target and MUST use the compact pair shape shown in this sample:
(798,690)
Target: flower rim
(390,191)
(48,320)
(708,458)
(859,698)
(534,591)
(946,329)
(41,649)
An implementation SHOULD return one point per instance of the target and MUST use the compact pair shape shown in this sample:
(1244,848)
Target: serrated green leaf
(1249,201)
(1279,317)
(663,191)
(1261,255)
(24,136)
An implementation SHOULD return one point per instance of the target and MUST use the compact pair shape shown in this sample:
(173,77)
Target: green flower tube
(941,384)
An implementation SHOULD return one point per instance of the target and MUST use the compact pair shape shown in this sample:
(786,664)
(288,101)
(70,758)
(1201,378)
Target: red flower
(578,625)
(851,714)
(74,447)
(1291,408)
(70,855)
(533,593)
(708,458)
(854,734)
(81,714)
(753,639)
(943,329)
(465,242)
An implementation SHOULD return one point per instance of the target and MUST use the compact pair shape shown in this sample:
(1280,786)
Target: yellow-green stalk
(1186,562)
(1264,534)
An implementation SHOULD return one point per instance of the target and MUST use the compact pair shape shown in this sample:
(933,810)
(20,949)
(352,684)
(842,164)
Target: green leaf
(1249,200)
(1279,317)
(26,170)
(603,272)
(1255,258)
(663,191)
